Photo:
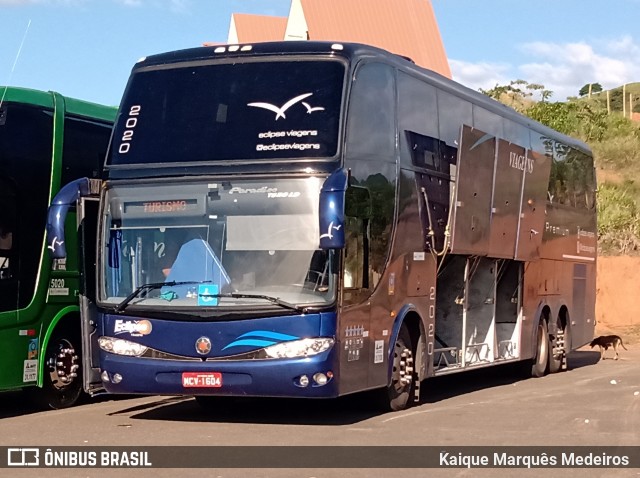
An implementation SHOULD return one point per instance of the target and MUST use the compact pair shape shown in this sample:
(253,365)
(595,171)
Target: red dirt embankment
(618,297)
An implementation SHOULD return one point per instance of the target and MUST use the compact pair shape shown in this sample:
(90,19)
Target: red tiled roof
(405,27)
(258,28)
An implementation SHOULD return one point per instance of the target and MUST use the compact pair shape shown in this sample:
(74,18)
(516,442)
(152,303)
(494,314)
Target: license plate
(201,379)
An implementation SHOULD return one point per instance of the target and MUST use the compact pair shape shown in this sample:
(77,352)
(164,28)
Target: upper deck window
(207,112)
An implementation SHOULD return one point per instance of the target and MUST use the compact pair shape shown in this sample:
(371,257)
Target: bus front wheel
(62,374)
(397,394)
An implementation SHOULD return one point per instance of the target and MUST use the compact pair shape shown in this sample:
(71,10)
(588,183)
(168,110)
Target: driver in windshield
(173,241)
(188,257)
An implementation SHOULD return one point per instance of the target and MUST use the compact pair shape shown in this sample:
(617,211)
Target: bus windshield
(206,112)
(187,245)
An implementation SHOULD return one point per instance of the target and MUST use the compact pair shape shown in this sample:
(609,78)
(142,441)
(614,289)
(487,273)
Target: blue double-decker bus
(310,219)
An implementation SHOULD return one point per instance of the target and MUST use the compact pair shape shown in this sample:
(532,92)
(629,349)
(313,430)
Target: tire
(397,395)
(541,360)
(62,377)
(555,360)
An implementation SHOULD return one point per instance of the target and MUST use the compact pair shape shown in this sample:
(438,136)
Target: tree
(498,92)
(518,94)
(590,88)
(559,116)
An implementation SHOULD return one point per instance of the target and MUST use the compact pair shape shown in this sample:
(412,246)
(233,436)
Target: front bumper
(257,378)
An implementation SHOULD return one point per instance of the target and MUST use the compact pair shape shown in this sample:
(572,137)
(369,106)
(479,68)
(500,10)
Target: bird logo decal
(311,109)
(54,243)
(329,233)
(280,110)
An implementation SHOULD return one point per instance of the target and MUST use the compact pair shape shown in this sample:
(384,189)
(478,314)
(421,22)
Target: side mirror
(331,211)
(57,214)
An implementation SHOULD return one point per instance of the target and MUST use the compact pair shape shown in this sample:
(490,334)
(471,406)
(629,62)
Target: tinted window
(85,146)
(378,179)
(518,134)
(371,118)
(212,112)
(453,112)
(371,158)
(8,256)
(418,123)
(572,180)
(541,144)
(489,122)
(417,108)
(26,136)
(357,270)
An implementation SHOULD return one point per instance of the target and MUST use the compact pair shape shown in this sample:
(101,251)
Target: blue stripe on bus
(275,336)
(270,335)
(253,343)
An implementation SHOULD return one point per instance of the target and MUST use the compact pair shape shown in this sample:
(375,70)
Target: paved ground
(596,403)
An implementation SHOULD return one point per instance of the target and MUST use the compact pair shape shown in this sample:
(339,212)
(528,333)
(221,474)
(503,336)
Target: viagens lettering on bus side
(521,162)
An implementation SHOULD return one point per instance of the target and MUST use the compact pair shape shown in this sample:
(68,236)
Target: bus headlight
(299,348)
(121,346)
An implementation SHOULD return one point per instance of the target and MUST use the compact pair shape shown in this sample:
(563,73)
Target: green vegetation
(590,88)
(615,141)
(618,220)
(613,96)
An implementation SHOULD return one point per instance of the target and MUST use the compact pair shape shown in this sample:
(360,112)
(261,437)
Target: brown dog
(606,341)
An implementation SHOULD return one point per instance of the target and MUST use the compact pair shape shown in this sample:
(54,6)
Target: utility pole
(624,100)
(608,102)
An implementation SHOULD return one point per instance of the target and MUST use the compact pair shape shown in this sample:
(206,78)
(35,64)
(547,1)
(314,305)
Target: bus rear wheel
(540,361)
(396,396)
(559,346)
(62,377)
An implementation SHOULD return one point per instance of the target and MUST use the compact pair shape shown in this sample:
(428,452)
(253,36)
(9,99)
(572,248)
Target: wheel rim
(542,346)
(402,367)
(556,350)
(63,364)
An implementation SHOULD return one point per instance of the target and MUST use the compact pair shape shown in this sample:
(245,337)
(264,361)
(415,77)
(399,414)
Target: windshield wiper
(273,300)
(149,287)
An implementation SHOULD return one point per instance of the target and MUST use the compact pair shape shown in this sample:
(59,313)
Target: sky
(86,48)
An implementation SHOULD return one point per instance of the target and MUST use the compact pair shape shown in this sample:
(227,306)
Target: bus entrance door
(87,231)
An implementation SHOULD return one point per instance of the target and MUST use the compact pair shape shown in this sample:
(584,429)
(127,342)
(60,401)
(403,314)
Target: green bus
(46,140)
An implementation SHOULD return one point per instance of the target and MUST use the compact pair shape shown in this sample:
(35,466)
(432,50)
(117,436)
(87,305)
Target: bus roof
(352,51)
(45,99)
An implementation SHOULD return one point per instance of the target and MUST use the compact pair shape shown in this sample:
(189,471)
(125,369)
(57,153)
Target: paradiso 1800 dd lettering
(127,135)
